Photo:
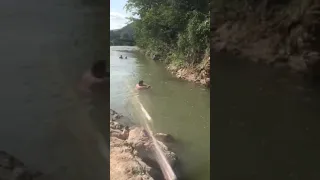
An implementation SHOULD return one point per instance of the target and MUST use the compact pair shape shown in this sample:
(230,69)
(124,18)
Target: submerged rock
(163,137)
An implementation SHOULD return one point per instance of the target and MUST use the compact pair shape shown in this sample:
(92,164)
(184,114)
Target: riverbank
(132,151)
(197,73)
(279,35)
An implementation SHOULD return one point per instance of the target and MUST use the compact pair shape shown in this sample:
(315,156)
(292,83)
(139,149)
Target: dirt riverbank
(198,73)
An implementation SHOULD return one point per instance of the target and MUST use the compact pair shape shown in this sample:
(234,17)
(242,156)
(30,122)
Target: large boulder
(124,165)
(145,147)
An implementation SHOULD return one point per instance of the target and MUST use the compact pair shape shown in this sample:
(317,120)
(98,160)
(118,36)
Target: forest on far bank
(122,37)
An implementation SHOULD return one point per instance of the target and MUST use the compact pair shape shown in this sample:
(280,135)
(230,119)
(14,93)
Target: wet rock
(112,112)
(115,117)
(297,63)
(116,125)
(145,147)
(203,81)
(221,46)
(163,137)
(155,57)
(121,134)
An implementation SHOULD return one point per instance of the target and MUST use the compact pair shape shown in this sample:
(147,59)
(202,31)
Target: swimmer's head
(140,83)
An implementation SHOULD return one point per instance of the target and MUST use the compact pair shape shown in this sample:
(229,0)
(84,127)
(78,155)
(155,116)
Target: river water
(266,122)
(177,107)
(45,48)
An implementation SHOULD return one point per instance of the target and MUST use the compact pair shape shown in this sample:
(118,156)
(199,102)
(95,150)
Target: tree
(172,26)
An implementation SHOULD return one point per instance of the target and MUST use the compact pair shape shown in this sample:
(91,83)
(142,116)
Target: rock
(119,134)
(155,57)
(115,117)
(115,125)
(222,46)
(203,81)
(297,63)
(112,112)
(124,165)
(163,137)
(145,147)
(311,57)
(191,77)
(132,153)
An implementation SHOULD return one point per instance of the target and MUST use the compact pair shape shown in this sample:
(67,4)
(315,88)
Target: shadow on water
(46,46)
(99,111)
(268,122)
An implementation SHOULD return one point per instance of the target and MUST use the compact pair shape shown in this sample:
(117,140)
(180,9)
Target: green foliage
(195,39)
(177,59)
(174,29)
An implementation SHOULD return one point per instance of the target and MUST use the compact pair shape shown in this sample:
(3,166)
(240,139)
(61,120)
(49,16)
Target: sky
(118,14)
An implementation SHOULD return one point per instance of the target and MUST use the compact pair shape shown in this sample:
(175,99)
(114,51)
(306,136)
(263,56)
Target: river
(266,122)
(45,48)
(177,107)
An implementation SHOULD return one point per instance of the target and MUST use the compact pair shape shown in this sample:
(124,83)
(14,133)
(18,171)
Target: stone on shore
(124,165)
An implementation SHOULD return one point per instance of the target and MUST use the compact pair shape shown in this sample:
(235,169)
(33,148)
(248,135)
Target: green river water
(177,107)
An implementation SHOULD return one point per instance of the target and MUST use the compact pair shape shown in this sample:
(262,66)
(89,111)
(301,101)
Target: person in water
(120,57)
(141,85)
